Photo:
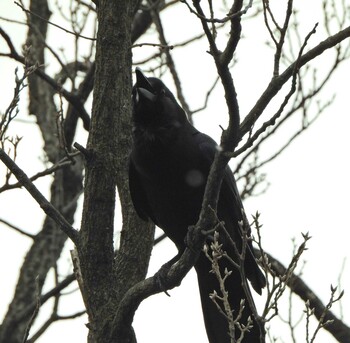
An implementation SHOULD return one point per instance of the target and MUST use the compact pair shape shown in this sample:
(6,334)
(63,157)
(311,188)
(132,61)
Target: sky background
(308,188)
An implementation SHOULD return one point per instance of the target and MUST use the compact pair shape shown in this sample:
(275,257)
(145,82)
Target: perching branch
(144,289)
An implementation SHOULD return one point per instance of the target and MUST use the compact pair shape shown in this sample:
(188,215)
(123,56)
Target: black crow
(169,166)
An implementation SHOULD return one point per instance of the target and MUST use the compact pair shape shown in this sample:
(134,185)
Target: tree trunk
(103,281)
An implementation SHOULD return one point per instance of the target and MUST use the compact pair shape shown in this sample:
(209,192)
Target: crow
(169,166)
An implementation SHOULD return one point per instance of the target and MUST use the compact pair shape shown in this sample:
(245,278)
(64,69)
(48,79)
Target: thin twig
(61,164)
(47,207)
(70,97)
(161,46)
(51,23)
(277,83)
(17,229)
(170,62)
(228,17)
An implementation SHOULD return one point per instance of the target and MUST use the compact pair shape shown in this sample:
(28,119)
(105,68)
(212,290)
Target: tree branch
(71,98)
(277,82)
(51,23)
(39,198)
(146,288)
(336,327)
(45,297)
(17,229)
(64,162)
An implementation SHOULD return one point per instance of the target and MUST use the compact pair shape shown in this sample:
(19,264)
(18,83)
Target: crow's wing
(138,195)
(231,207)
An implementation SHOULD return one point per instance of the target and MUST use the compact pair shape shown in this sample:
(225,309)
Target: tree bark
(108,148)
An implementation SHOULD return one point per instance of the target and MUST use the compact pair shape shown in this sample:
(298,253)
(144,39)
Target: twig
(71,98)
(159,239)
(336,327)
(322,323)
(228,17)
(14,21)
(12,110)
(341,273)
(170,62)
(53,318)
(61,164)
(276,83)
(161,46)
(51,23)
(50,210)
(273,119)
(45,297)
(17,229)
(207,97)
(216,253)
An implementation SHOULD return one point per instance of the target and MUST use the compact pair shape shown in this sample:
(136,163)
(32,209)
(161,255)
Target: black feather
(169,167)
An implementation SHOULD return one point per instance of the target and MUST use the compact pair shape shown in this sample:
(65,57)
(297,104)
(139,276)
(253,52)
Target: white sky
(309,186)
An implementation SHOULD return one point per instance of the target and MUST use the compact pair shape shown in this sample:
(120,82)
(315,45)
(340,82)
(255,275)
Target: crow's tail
(215,322)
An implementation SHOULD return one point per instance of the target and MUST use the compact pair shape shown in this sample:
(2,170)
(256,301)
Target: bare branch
(17,229)
(161,46)
(276,83)
(170,62)
(12,110)
(40,199)
(144,289)
(273,119)
(209,92)
(71,98)
(231,15)
(336,327)
(61,164)
(53,24)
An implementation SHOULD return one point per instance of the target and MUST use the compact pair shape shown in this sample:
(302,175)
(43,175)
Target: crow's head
(155,108)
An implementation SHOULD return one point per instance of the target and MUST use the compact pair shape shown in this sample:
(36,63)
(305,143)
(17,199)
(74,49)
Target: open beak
(143,87)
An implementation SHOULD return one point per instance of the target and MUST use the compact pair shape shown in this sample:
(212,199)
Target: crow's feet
(161,276)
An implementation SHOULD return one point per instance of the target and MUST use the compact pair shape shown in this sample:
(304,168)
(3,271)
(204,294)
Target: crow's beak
(142,81)
(143,87)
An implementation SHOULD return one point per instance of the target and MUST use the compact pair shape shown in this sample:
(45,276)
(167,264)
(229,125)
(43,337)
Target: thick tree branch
(230,137)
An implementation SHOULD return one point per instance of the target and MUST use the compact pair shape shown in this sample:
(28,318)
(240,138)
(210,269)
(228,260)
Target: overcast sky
(308,189)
